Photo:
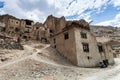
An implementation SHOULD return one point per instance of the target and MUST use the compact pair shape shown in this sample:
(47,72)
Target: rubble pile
(10,44)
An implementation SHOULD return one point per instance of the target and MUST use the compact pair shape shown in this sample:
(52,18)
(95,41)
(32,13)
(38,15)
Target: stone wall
(24,28)
(109,53)
(65,47)
(90,58)
(55,24)
(10,44)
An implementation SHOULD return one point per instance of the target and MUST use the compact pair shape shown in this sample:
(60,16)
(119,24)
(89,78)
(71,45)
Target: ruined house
(12,24)
(7,42)
(17,27)
(27,29)
(24,29)
(74,41)
(4,19)
(105,48)
(40,32)
(107,35)
(116,34)
(115,44)
(54,24)
(116,51)
(2,27)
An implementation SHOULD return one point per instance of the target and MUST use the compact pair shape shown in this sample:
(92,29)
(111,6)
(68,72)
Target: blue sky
(101,12)
(106,14)
(1,4)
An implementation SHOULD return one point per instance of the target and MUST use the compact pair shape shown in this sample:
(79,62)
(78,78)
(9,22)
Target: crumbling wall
(10,44)
(55,24)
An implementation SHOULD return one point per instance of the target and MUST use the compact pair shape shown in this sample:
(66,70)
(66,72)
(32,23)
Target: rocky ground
(10,44)
(41,62)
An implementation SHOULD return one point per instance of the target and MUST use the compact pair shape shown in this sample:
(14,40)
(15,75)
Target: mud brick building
(74,41)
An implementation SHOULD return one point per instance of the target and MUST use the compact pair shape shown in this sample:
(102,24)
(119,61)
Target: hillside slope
(41,62)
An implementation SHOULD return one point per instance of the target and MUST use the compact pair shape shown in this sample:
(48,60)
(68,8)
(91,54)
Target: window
(25,37)
(17,29)
(3,30)
(88,57)
(28,22)
(54,40)
(29,37)
(16,22)
(37,27)
(11,20)
(117,51)
(100,48)
(20,35)
(51,31)
(54,46)
(66,36)
(85,47)
(83,35)
(11,27)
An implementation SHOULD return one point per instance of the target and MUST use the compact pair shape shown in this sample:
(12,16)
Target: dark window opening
(96,32)
(25,37)
(37,27)
(20,35)
(11,27)
(28,22)
(85,47)
(29,37)
(55,46)
(100,48)
(88,57)
(51,31)
(3,29)
(117,51)
(83,35)
(17,29)
(66,36)
(9,32)
(16,22)
(27,31)
(54,41)
(110,32)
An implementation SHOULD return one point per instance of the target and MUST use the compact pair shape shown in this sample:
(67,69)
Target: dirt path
(33,55)
(16,61)
(107,74)
(111,74)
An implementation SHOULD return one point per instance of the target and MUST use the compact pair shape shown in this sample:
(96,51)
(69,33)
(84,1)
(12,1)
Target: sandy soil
(41,62)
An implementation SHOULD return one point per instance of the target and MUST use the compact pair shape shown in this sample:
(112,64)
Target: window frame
(66,35)
(83,35)
(100,48)
(16,22)
(54,40)
(85,47)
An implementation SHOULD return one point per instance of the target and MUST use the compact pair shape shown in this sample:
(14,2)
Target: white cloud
(116,3)
(78,8)
(34,15)
(106,23)
(38,10)
(115,21)
(31,9)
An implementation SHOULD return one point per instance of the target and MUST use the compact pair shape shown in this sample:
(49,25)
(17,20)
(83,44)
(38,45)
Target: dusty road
(110,74)
(34,66)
